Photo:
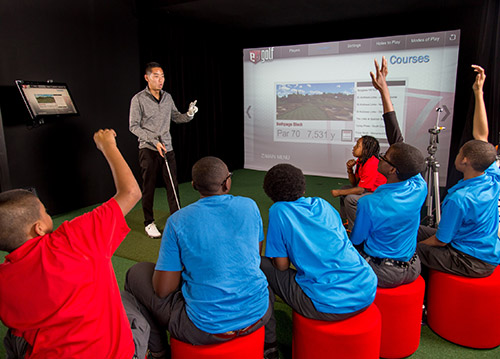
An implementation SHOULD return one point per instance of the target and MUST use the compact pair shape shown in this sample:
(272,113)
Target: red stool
(355,337)
(401,310)
(465,311)
(249,346)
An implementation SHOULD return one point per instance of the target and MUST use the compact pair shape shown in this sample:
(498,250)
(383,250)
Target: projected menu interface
(332,113)
(308,104)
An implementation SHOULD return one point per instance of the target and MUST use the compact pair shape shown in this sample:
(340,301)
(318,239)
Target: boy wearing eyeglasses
(387,222)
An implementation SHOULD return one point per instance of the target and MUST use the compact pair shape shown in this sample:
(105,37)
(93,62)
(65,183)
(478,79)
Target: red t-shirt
(59,291)
(368,175)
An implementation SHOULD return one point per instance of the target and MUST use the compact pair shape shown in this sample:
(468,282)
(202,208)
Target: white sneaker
(152,231)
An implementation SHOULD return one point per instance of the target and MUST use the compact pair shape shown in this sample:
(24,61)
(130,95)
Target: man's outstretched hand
(192,108)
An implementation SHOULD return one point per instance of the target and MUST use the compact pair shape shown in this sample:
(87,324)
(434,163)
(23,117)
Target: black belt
(393,262)
(234,333)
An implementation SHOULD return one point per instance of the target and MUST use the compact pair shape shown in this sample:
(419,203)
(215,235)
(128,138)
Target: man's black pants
(151,164)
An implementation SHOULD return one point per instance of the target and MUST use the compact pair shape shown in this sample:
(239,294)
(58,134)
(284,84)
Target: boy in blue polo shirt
(206,287)
(331,281)
(387,222)
(480,128)
(466,241)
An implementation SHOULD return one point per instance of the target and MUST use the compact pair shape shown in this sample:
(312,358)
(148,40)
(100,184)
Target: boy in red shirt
(58,289)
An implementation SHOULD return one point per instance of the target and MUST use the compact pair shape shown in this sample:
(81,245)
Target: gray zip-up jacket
(149,118)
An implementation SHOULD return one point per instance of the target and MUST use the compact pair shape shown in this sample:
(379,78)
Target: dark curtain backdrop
(205,62)
(200,63)
(93,46)
(488,53)
(480,45)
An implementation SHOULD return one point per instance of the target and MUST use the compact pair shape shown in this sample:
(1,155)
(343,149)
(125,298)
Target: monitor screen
(45,99)
(308,104)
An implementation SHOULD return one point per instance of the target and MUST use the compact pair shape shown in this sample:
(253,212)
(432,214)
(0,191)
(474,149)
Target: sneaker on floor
(152,231)
(165,354)
(424,315)
(271,351)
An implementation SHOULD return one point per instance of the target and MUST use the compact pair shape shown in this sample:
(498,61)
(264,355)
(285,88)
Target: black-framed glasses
(383,158)
(228,177)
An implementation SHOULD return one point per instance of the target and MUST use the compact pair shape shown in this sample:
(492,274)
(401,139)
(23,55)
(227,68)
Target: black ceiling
(259,14)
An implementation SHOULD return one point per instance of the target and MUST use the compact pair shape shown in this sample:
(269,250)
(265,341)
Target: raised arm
(379,82)
(480,122)
(128,192)
(392,130)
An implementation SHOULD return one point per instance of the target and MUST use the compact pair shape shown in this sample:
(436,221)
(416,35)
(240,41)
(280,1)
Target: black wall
(91,45)
(200,62)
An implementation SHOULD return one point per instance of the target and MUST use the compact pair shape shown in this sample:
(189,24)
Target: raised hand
(480,77)
(378,78)
(103,138)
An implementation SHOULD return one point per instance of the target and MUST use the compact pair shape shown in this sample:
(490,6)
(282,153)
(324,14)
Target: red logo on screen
(255,56)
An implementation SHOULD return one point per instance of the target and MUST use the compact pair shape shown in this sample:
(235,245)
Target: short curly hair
(481,154)
(208,174)
(19,209)
(408,160)
(284,182)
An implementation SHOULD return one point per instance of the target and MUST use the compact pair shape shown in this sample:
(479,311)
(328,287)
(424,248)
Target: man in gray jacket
(151,111)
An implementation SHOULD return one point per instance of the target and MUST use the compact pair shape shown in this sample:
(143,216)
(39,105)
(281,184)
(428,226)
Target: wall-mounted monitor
(308,104)
(46,99)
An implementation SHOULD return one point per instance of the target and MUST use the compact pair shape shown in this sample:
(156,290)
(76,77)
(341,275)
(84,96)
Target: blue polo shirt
(469,220)
(387,221)
(215,243)
(330,271)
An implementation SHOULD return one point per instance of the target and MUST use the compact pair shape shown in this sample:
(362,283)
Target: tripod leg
(437,201)
(429,200)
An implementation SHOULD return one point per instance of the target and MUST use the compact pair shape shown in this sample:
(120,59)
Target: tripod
(433,201)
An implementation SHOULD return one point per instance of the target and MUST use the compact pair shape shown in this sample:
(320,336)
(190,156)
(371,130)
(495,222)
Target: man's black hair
(208,174)
(284,182)
(480,154)
(150,66)
(371,147)
(19,209)
(408,160)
